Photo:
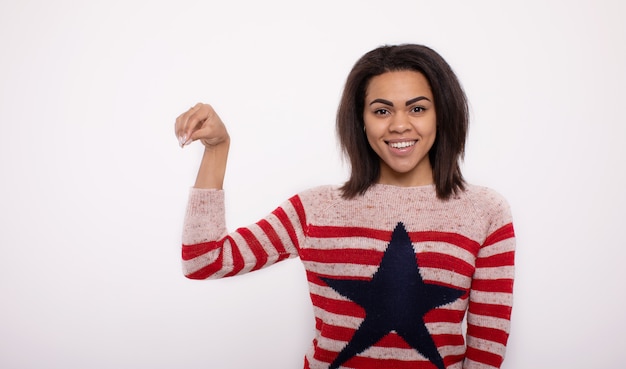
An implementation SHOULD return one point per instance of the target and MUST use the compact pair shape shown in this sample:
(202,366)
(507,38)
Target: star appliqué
(395,299)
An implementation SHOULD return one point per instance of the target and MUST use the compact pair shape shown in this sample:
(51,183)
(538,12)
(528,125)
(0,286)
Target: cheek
(430,130)
(433,133)
(369,130)
(371,140)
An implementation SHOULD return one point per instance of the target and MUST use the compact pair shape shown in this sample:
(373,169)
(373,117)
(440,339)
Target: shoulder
(487,202)
(320,195)
(317,201)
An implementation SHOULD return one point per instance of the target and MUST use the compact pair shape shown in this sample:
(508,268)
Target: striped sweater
(393,274)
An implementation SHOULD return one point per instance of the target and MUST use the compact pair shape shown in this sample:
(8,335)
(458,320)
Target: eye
(381,111)
(418,109)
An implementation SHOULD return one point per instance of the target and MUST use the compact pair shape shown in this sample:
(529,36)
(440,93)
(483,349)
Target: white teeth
(402,145)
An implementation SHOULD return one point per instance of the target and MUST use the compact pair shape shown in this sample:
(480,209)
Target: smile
(401,145)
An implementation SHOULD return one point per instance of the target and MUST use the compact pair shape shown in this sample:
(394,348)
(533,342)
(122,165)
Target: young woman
(403,251)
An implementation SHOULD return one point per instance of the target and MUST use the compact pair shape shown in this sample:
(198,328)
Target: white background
(93,185)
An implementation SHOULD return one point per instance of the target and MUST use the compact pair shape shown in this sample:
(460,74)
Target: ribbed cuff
(204,202)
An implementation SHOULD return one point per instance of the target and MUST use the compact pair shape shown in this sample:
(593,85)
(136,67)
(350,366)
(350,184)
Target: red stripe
(447,237)
(492,310)
(444,316)
(490,334)
(448,340)
(340,307)
(504,259)
(191,251)
(255,246)
(238,263)
(500,234)
(318,323)
(426,236)
(484,357)
(391,340)
(352,309)
(274,239)
(493,285)
(444,261)
(297,205)
(373,257)
(453,359)
(286,222)
(368,363)
(351,256)
(337,333)
(208,270)
(314,278)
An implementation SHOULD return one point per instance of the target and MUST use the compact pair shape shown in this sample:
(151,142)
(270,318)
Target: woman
(398,255)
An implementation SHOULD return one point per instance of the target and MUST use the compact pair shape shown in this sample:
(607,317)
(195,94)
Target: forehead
(403,84)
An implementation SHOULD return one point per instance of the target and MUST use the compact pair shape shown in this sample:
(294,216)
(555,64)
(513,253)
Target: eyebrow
(407,103)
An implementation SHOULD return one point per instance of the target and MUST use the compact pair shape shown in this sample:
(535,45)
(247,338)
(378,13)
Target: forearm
(213,166)
(201,123)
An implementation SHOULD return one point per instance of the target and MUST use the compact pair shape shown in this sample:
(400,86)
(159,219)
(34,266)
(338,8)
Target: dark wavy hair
(452,115)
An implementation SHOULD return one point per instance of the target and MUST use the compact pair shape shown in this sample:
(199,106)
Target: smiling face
(400,124)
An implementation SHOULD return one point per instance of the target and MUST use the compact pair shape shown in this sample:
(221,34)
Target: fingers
(202,123)
(190,121)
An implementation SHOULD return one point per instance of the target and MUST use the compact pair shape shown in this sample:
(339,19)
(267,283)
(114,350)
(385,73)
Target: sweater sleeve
(210,252)
(491,296)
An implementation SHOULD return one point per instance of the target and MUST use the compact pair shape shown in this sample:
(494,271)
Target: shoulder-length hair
(452,117)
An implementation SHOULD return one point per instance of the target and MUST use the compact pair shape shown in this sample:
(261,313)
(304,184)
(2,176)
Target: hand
(202,123)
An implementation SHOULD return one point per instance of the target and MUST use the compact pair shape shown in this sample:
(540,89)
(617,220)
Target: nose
(400,123)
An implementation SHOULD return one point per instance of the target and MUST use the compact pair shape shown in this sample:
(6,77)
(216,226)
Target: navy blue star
(395,299)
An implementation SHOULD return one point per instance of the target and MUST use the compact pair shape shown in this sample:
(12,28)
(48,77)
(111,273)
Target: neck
(419,176)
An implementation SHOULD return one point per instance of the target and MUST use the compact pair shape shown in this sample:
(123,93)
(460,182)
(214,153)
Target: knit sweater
(392,273)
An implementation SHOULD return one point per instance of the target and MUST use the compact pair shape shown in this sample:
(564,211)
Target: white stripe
(446,277)
(201,261)
(486,345)
(328,292)
(488,322)
(446,249)
(340,269)
(345,321)
(351,322)
(499,247)
(349,243)
(282,233)
(268,248)
(495,298)
(451,350)
(503,272)
(444,328)
(367,271)
(476,365)
(324,291)
(247,255)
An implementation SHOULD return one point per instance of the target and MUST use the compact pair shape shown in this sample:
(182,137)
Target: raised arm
(208,250)
(202,123)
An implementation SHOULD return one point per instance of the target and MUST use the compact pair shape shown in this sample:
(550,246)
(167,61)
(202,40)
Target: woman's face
(400,124)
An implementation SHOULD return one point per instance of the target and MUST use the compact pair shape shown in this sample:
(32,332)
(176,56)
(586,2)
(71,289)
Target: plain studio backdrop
(94,185)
